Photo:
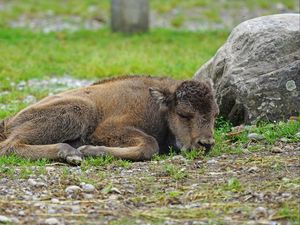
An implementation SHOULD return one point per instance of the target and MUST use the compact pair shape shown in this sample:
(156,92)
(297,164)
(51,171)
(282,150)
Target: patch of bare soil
(252,188)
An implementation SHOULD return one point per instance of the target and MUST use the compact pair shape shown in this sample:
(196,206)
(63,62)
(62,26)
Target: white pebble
(212,161)
(52,221)
(72,189)
(54,200)
(32,182)
(88,188)
(4,219)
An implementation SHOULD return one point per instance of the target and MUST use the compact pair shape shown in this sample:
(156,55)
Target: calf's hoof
(74,160)
(69,154)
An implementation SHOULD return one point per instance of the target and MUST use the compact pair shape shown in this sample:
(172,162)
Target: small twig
(62,215)
(57,164)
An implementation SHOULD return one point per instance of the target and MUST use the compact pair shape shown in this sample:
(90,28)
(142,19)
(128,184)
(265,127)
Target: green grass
(272,132)
(175,172)
(18,161)
(88,54)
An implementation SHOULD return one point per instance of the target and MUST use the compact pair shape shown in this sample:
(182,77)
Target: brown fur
(130,117)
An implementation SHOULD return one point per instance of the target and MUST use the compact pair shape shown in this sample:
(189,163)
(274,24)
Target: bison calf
(129,117)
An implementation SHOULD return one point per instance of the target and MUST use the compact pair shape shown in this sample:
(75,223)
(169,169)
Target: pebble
(50,169)
(179,158)
(54,200)
(75,209)
(21,213)
(51,210)
(41,184)
(260,212)
(284,139)
(5,219)
(32,182)
(72,189)
(113,197)
(288,148)
(88,188)
(212,161)
(253,169)
(88,196)
(52,221)
(286,195)
(276,150)
(255,137)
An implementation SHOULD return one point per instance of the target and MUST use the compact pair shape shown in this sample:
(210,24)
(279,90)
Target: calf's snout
(207,143)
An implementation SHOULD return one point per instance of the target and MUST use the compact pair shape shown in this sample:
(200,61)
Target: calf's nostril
(208,144)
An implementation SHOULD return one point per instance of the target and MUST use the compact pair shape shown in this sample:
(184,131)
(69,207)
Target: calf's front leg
(128,143)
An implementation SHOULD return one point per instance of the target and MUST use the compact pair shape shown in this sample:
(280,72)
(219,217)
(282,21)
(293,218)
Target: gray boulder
(256,73)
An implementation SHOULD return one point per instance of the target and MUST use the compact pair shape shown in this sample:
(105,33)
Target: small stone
(260,212)
(212,161)
(51,210)
(284,139)
(253,169)
(255,137)
(50,169)
(75,209)
(290,85)
(88,188)
(178,158)
(54,200)
(273,223)
(276,150)
(15,220)
(32,182)
(288,148)
(4,219)
(88,196)
(286,195)
(52,221)
(72,189)
(285,179)
(40,184)
(21,213)
(113,197)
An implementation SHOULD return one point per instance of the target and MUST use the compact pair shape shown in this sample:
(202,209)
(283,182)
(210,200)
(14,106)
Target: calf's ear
(162,96)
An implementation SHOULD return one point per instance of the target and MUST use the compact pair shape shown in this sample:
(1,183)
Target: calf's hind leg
(60,151)
(127,143)
(42,131)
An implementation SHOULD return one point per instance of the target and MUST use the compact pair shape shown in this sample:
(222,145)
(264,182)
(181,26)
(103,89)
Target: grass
(175,172)
(272,132)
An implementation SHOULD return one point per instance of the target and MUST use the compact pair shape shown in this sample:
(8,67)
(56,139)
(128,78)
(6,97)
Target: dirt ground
(250,188)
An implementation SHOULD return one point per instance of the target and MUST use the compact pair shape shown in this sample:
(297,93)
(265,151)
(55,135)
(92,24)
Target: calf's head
(191,111)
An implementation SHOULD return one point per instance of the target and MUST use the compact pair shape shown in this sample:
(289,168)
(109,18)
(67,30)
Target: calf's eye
(185,116)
